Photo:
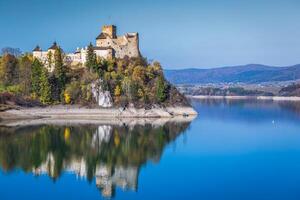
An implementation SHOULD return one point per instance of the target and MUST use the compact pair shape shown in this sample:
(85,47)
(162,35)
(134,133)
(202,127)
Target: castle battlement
(108,45)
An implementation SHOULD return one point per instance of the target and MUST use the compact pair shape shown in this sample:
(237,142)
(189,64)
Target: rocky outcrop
(102,97)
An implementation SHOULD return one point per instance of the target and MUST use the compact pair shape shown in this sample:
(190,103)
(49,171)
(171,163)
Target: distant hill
(252,73)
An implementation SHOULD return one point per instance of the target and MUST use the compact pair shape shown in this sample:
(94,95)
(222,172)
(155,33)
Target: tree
(126,86)
(117,91)
(55,92)
(25,74)
(60,71)
(161,90)
(91,58)
(49,60)
(12,51)
(9,70)
(139,74)
(73,92)
(45,89)
(36,77)
(157,66)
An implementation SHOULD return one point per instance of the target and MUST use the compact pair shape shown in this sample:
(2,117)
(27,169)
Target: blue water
(232,150)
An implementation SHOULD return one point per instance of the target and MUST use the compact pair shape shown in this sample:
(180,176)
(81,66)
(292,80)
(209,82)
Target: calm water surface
(232,150)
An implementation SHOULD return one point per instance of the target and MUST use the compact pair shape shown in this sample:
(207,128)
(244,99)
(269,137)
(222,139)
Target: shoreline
(130,122)
(272,98)
(85,114)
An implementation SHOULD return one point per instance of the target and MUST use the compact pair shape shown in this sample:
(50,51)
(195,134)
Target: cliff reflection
(112,155)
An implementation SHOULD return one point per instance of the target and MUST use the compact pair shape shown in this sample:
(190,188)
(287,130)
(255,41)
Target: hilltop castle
(108,45)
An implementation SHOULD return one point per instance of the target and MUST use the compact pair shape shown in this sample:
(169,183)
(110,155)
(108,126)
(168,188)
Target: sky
(178,33)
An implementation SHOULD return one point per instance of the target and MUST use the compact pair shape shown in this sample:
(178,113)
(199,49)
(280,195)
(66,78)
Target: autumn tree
(117,93)
(139,74)
(157,66)
(9,70)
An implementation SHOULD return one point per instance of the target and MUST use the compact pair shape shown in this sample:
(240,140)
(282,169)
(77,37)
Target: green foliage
(45,88)
(60,71)
(86,92)
(73,90)
(91,59)
(129,80)
(25,74)
(36,76)
(55,90)
(2,88)
(14,89)
(161,90)
(49,60)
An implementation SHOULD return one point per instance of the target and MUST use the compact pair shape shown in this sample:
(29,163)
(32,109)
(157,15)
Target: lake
(234,149)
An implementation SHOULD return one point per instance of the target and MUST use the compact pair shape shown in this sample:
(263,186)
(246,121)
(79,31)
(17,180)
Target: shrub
(72,92)
(14,89)
(67,98)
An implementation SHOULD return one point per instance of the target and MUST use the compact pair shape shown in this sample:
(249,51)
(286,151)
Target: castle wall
(107,53)
(41,55)
(108,45)
(127,45)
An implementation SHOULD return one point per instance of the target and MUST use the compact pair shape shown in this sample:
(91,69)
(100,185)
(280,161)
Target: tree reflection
(112,155)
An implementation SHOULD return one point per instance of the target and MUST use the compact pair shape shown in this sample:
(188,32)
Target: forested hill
(127,82)
(253,73)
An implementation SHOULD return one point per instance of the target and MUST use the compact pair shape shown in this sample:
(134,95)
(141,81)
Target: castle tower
(123,45)
(110,30)
(37,52)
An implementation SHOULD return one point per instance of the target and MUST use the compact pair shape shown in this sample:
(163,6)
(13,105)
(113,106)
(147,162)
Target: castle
(108,45)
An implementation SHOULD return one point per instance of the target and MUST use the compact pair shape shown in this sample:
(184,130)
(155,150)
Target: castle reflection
(112,155)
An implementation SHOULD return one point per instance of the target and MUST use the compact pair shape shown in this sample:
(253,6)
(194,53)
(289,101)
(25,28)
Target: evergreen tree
(50,60)
(161,90)
(60,70)
(91,58)
(55,92)
(36,76)
(45,89)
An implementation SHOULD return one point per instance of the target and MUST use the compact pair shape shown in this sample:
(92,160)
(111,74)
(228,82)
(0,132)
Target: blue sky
(179,34)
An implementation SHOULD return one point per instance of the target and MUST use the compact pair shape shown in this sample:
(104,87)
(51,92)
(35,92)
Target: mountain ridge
(250,73)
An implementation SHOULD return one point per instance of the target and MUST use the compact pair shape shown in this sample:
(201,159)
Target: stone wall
(43,57)
(109,45)
(127,45)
